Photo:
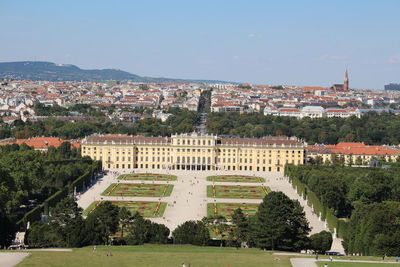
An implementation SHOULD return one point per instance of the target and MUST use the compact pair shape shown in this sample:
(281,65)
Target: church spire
(346,81)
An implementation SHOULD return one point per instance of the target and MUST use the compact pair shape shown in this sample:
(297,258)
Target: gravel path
(9,259)
(303,262)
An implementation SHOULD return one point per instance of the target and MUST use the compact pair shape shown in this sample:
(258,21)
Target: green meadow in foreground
(156,255)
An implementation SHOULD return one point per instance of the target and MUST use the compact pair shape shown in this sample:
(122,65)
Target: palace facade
(194,152)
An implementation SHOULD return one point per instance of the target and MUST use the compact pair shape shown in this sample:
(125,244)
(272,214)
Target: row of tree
(371,128)
(183,120)
(369,199)
(279,224)
(340,188)
(66,227)
(28,177)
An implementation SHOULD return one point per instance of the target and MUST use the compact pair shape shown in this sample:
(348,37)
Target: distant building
(312,112)
(353,153)
(344,86)
(39,143)
(392,86)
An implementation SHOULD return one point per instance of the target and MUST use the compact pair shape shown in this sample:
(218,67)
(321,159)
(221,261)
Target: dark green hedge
(326,213)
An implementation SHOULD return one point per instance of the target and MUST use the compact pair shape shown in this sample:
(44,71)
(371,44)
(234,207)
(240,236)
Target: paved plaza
(188,200)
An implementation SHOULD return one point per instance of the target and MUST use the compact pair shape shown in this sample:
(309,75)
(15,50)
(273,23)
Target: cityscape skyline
(305,44)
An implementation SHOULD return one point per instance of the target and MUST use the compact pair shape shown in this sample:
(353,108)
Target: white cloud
(332,58)
(394,59)
(254,35)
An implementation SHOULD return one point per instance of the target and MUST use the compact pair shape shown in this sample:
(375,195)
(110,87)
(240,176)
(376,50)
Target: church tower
(346,82)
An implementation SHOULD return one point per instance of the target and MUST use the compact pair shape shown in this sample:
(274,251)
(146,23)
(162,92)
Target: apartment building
(194,152)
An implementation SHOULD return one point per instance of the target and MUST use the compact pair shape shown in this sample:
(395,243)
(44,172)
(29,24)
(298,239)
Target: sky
(297,42)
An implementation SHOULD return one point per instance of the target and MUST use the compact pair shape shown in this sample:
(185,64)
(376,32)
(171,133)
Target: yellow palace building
(194,152)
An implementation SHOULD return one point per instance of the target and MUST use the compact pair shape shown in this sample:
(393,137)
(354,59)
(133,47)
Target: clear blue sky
(266,42)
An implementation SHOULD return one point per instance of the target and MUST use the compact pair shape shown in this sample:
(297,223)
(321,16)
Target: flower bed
(145,208)
(147,177)
(237,191)
(227,209)
(138,190)
(236,179)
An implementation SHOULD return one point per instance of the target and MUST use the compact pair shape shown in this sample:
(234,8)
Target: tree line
(279,224)
(369,199)
(183,120)
(371,128)
(28,177)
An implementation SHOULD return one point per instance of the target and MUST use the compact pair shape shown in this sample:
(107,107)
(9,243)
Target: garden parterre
(237,191)
(236,179)
(147,177)
(138,190)
(227,209)
(145,208)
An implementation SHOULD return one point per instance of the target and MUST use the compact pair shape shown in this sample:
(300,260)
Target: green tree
(238,232)
(101,223)
(66,219)
(217,224)
(280,224)
(191,232)
(125,217)
(321,242)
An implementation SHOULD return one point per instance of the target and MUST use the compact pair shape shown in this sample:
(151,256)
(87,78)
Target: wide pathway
(311,262)
(9,259)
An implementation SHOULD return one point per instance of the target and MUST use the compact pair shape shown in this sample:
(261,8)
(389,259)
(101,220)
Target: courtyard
(191,197)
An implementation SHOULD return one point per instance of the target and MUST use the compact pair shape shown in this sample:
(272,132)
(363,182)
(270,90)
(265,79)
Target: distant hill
(48,71)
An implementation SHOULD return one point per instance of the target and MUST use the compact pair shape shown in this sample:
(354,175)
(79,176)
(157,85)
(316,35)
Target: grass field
(227,209)
(355,264)
(236,179)
(236,191)
(146,209)
(147,177)
(169,256)
(139,190)
(156,255)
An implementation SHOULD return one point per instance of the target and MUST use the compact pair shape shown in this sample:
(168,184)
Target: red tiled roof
(361,149)
(41,142)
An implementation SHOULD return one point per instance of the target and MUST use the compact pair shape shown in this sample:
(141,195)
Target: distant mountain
(48,71)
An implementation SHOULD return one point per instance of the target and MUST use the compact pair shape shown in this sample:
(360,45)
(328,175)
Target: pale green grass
(156,255)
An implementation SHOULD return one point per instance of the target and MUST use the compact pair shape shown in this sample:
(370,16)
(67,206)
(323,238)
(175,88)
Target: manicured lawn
(145,208)
(354,264)
(147,177)
(157,256)
(139,190)
(227,209)
(236,179)
(237,191)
